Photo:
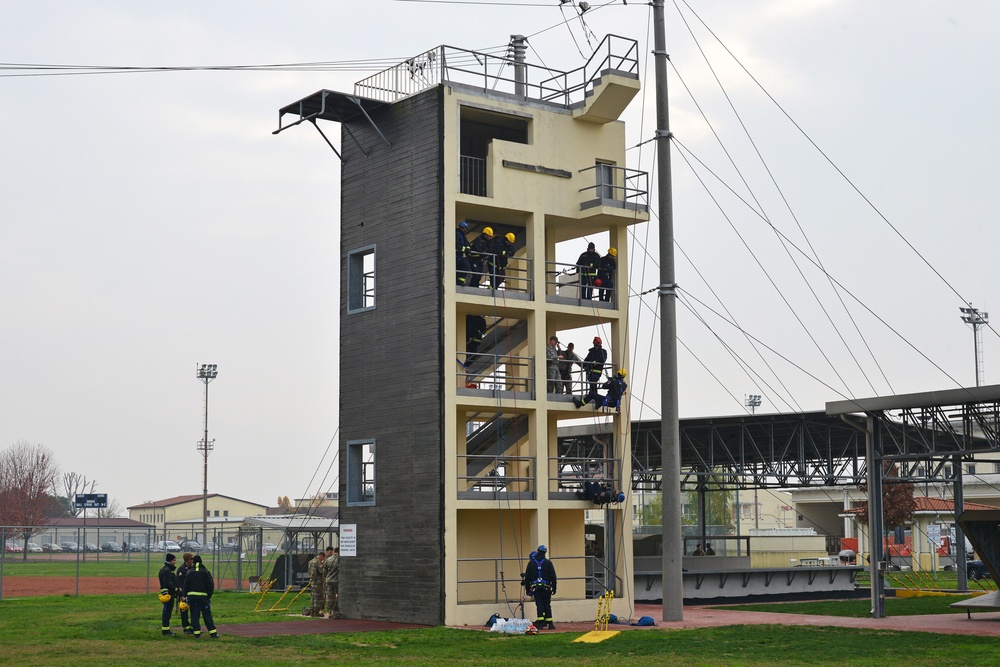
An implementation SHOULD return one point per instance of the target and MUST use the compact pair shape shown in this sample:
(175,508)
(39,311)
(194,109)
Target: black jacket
(199,582)
(168,582)
(588,263)
(595,359)
(181,575)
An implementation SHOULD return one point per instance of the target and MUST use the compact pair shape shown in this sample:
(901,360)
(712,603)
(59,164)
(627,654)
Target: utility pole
(977,319)
(673,577)
(206,373)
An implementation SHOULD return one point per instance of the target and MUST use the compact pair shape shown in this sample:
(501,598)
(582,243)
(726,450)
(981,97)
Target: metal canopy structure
(335,107)
(740,452)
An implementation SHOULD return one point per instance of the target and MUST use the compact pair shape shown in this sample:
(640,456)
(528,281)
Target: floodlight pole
(977,319)
(753,401)
(206,373)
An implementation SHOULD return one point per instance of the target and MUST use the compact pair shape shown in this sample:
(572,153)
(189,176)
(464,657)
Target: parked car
(191,545)
(111,547)
(70,546)
(91,548)
(13,548)
(134,548)
(976,570)
(269,548)
(50,548)
(33,548)
(166,545)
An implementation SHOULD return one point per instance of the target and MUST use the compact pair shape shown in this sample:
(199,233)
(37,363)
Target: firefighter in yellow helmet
(606,273)
(502,251)
(615,388)
(482,246)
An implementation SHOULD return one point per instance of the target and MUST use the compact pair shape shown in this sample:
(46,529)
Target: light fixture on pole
(206,373)
(977,319)
(753,402)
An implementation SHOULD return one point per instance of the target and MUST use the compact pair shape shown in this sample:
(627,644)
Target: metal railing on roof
(449,64)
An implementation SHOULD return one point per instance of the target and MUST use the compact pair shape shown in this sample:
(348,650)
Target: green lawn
(124,630)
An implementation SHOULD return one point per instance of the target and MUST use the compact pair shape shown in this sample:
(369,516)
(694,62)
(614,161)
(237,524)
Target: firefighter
(606,271)
(615,388)
(593,364)
(540,576)
(479,258)
(199,587)
(503,250)
(168,590)
(462,250)
(586,267)
(182,604)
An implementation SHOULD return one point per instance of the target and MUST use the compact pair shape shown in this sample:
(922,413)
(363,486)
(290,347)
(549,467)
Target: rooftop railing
(449,64)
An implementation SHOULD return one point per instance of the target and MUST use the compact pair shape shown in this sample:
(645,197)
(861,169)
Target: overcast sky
(150,221)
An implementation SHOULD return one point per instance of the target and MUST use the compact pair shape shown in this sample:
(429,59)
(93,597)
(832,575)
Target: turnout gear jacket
(199,582)
(168,581)
(588,262)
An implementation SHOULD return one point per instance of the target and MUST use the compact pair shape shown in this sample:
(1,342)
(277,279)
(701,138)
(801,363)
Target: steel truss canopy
(740,452)
(922,434)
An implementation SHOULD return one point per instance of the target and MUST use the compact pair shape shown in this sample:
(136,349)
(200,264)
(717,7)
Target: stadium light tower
(206,373)
(977,319)
(753,402)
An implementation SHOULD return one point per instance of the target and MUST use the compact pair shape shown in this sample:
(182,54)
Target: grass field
(124,630)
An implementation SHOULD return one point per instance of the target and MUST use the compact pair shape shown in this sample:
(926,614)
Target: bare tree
(112,511)
(73,484)
(28,475)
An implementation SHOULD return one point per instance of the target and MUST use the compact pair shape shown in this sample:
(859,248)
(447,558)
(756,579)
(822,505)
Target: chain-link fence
(51,560)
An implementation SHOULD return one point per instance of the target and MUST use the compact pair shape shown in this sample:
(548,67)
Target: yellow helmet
(622,372)
(510,237)
(612,252)
(164,597)
(488,231)
(183,606)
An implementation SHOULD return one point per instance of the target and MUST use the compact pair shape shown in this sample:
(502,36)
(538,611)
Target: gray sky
(150,221)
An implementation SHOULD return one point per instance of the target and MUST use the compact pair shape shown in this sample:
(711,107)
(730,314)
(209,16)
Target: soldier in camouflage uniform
(331,568)
(317,584)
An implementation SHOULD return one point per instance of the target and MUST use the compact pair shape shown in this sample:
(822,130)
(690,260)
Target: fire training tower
(450,471)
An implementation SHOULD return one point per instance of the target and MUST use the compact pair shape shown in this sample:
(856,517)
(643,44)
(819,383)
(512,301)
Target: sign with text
(92,500)
(349,539)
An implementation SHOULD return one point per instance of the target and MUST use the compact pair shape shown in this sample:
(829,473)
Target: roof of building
(180,500)
(925,505)
(295,522)
(93,522)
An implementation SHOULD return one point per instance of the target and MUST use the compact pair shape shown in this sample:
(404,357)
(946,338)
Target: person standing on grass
(331,571)
(199,586)
(317,584)
(182,573)
(168,591)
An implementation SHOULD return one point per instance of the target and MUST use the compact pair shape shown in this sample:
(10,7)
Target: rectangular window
(361,279)
(361,472)
(216,512)
(225,512)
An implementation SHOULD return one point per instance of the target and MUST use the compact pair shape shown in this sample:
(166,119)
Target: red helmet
(597,340)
